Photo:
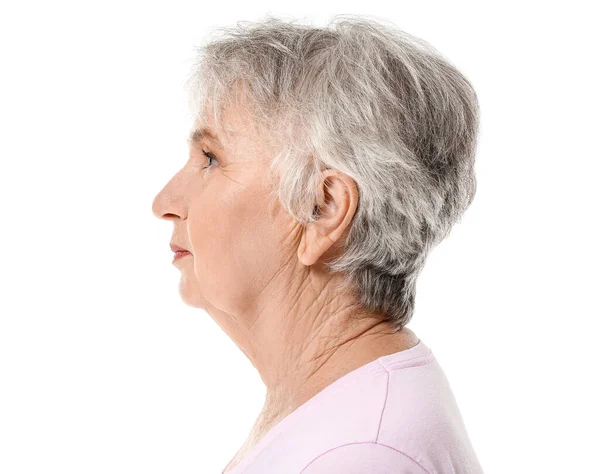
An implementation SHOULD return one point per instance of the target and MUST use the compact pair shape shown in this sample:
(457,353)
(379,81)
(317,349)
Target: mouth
(180,254)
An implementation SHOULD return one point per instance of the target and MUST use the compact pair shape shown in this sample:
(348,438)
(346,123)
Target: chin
(193,301)
(190,293)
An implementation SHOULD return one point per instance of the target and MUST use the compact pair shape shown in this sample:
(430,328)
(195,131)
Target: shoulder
(358,458)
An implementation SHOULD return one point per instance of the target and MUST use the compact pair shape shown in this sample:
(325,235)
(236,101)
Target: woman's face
(238,238)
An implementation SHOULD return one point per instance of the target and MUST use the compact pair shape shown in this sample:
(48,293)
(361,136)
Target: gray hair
(380,105)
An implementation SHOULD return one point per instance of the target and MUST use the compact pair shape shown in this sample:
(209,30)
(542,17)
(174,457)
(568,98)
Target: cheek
(237,247)
(206,229)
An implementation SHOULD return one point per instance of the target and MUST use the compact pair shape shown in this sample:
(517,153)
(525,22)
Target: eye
(210,157)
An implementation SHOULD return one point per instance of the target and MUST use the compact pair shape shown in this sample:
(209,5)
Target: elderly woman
(324,165)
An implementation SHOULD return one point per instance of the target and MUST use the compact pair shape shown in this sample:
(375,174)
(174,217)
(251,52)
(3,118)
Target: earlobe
(313,244)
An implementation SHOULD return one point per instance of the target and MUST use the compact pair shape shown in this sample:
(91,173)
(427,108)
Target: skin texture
(258,273)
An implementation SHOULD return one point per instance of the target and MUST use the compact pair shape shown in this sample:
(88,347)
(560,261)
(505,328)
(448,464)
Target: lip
(181,254)
(177,248)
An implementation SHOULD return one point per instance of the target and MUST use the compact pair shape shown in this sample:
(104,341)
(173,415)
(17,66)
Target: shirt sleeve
(363,458)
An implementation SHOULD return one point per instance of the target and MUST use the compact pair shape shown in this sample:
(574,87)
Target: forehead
(236,133)
(234,119)
(232,124)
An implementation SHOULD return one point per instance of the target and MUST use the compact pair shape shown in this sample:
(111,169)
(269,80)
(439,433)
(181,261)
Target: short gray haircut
(376,103)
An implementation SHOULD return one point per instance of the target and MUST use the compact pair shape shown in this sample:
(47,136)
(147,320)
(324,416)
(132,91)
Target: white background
(103,369)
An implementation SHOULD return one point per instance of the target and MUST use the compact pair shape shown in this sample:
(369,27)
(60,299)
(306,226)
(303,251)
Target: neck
(295,372)
(302,346)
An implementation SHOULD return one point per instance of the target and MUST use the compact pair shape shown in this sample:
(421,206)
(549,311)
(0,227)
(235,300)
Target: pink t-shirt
(394,415)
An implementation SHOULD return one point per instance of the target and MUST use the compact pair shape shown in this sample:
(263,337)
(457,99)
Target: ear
(340,200)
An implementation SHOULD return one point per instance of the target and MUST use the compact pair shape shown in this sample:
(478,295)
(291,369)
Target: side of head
(367,100)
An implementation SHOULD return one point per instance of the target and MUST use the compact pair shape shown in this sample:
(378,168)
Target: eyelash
(209,156)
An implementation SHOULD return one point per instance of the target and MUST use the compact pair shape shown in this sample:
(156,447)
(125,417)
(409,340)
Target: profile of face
(238,236)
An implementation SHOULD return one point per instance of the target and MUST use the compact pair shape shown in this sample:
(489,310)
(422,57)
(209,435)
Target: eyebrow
(199,133)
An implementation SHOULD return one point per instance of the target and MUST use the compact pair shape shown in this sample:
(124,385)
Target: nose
(169,203)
